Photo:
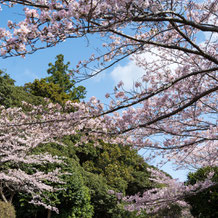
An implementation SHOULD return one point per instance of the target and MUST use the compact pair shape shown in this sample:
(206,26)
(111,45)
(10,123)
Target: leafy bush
(72,198)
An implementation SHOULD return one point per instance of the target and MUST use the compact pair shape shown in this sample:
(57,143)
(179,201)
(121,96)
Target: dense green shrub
(123,169)
(12,96)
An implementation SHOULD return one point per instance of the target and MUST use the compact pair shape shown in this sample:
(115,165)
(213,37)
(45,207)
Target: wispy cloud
(137,66)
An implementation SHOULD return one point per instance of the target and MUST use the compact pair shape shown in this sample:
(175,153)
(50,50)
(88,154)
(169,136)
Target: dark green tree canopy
(204,204)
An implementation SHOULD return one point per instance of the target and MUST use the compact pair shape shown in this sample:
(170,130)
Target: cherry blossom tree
(20,133)
(173,193)
(173,41)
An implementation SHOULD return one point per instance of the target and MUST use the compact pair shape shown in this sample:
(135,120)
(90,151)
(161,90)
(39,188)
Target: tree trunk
(49,214)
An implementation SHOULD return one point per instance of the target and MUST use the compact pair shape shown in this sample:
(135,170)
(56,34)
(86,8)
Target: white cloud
(136,66)
(99,77)
(128,74)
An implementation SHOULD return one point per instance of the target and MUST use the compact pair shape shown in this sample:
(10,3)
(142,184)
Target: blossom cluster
(173,193)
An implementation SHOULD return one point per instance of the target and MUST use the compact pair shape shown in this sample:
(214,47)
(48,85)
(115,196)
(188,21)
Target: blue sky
(34,66)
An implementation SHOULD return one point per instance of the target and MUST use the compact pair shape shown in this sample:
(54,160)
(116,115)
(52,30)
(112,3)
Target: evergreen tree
(59,86)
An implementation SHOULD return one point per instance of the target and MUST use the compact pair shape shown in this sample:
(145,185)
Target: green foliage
(60,74)
(12,96)
(105,204)
(96,163)
(47,90)
(7,210)
(204,204)
(72,198)
(6,84)
(173,211)
(90,171)
(124,170)
(59,87)
(110,167)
